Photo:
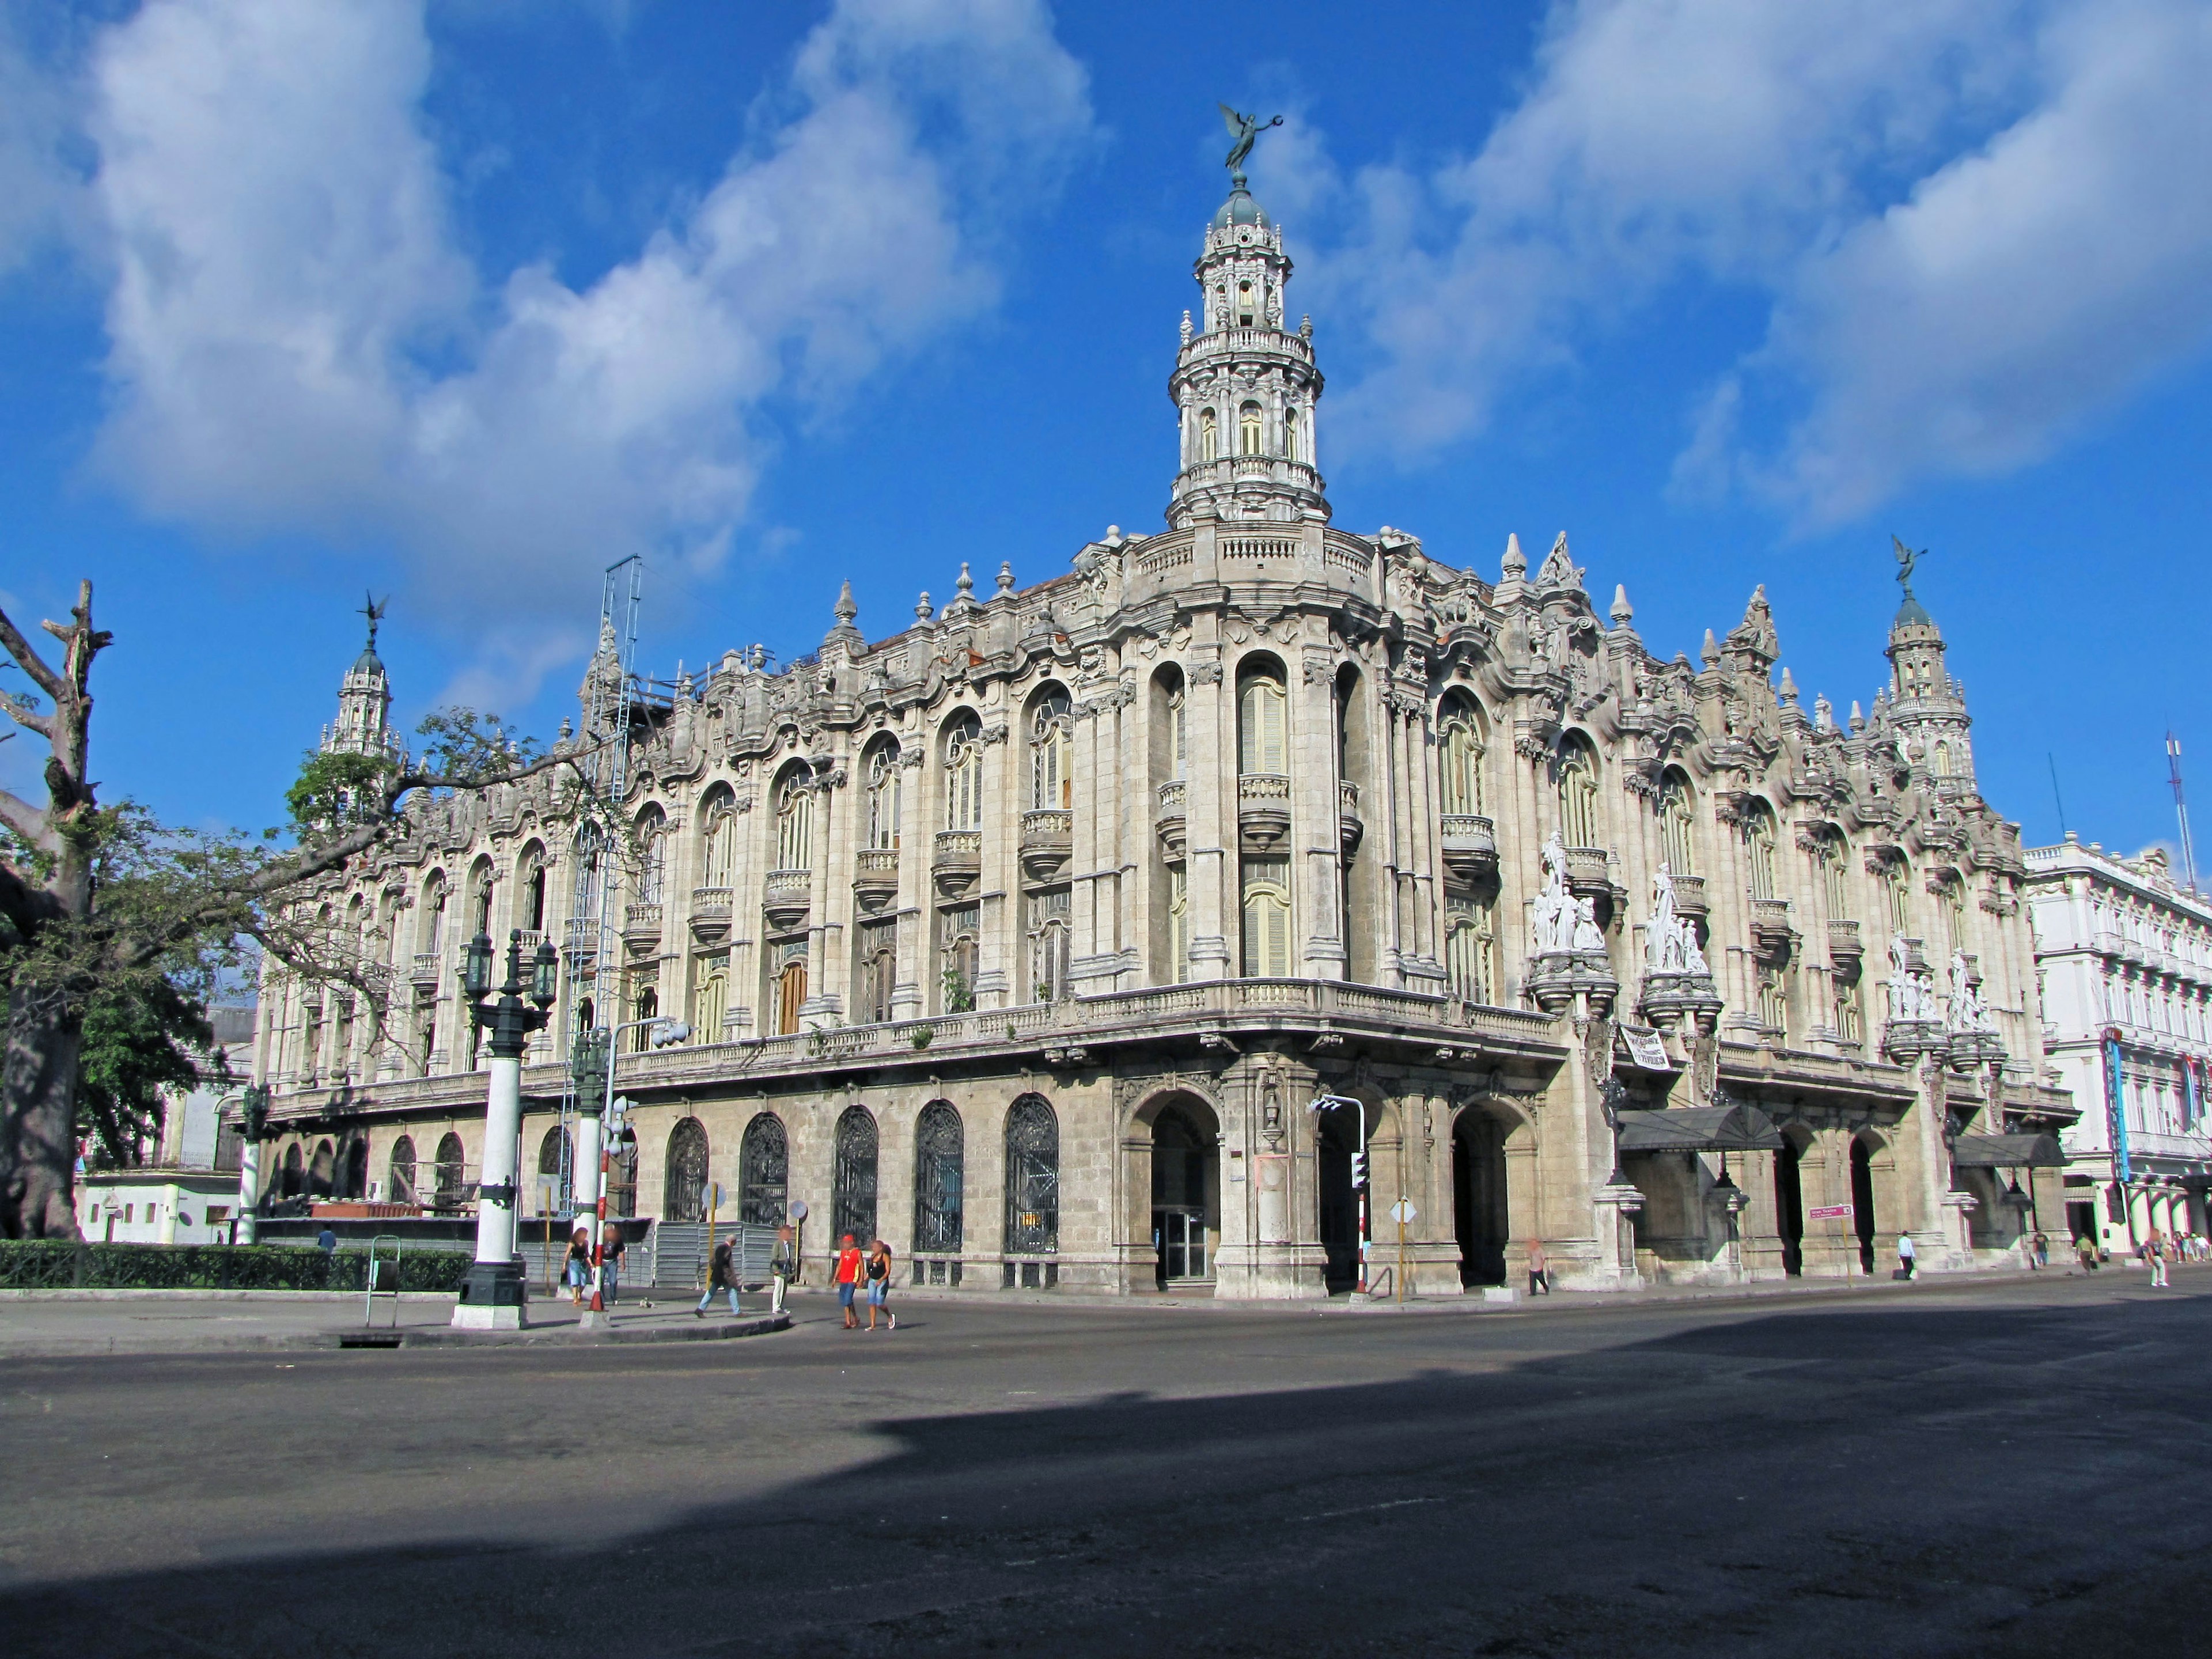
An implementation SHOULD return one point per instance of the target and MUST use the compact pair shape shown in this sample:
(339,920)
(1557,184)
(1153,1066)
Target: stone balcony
(1348,824)
(425,971)
(786,897)
(580,941)
(1171,821)
(710,915)
(641,928)
(1689,896)
(875,878)
(1470,845)
(1047,843)
(1263,812)
(1845,946)
(1588,874)
(1772,935)
(958,864)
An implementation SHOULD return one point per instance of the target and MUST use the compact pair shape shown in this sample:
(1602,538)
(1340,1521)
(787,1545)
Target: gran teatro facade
(1089,934)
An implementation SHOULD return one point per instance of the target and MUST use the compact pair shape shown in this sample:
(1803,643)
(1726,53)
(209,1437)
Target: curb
(563,1335)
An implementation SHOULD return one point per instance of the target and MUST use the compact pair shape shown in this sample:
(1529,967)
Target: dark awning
(2008,1152)
(1700,1129)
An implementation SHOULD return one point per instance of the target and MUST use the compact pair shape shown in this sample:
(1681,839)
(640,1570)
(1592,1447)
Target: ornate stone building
(2125,955)
(1026,936)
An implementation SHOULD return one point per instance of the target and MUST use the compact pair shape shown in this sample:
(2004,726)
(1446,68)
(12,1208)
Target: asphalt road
(1993,1469)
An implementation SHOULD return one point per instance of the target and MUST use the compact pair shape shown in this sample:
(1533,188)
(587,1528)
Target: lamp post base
(493,1297)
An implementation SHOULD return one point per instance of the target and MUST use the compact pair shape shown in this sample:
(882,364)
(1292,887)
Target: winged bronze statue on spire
(1242,130)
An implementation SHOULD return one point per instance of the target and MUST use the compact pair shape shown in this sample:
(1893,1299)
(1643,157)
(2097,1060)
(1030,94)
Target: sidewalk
(62,1323)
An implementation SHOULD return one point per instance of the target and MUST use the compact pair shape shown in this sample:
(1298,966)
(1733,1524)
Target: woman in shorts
(880,1284)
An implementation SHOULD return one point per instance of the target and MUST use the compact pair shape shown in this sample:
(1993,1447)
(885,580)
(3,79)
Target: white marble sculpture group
(1564,925)
(1670,941)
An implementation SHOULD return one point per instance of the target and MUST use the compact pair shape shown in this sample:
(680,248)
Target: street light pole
(252,1126)
(666,1031)
(1360,1189)
(493,1294)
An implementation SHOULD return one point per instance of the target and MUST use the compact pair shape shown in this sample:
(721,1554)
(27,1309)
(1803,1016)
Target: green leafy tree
(140,1045)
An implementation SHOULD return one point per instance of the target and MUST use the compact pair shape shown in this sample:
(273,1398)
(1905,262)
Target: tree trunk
(38,1142)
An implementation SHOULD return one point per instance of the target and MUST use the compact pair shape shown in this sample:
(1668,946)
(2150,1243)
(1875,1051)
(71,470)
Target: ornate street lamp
(252,1130)
(493,1294)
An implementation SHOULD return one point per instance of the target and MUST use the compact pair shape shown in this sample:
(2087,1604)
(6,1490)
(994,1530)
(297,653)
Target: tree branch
(26,716)
(33,827)
(27,659)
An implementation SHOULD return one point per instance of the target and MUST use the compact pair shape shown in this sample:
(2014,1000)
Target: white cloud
(299,345)
(1968,219)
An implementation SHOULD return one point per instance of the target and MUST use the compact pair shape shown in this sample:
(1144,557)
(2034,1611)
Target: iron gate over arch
(939,1172)
(853,1209)
(687,1172)
(1032,1178)
(763,1172)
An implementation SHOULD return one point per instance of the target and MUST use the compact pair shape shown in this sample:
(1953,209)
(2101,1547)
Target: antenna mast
(2181,808)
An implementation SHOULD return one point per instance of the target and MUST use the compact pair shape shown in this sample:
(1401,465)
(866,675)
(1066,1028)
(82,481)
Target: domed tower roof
(1240,209)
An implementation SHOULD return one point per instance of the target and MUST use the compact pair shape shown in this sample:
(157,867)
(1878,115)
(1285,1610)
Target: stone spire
(1244,387)
(842,632)
(1926,710)
(364,722)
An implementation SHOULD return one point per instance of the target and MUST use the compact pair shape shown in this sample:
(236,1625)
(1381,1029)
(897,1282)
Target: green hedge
(59,1265)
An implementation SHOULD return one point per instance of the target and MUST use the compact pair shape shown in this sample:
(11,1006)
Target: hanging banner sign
(1829,1212)
(1646,1049)
(2115,1107)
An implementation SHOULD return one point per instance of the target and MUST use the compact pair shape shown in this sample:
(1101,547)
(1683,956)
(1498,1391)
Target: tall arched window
(1209,436)
(1032,1177)
(717,855)
(1462,749)
(1678,825)
(1179,920)
(1262,723)
(431,940)
(1759,840)
(451,1171)
(964,774)
(794,826)
(763,1172)
(590,862)
(1896,892)
(1470,944)
(853,1193)
(684,1173)
(710,996)
(1249,425)
(1942,759)
(556,1163)
(401,1183)
(1831,854)
(646,1006)
(480,904)
(1052,783)
(1578,810)
(533,895)
(790,969)
(1178,730)
(939,1173)
(883,798)
(1266,918)
(653,858)
(1290,435)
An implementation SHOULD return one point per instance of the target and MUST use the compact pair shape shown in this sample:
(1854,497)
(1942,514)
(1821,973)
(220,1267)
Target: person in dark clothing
(721,1275)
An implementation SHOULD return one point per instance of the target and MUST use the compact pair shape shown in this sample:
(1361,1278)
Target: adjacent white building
(186,1191)
(2124,954)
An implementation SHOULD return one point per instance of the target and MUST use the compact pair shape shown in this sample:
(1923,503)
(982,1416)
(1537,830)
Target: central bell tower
(1244,388)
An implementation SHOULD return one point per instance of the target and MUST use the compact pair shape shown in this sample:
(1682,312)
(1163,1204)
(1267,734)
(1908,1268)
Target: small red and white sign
(1830,1212)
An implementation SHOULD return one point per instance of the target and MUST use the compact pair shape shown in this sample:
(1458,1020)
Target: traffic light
(619,1133)
(1359,1170)
(253,1114)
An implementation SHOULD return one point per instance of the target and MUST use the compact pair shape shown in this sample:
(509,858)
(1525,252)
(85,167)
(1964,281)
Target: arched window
(1248,429)
(451,1173)
(590,867)
(790,985)
(653,858)
(1759,848)
(717,855)
(1831,854)
(1470,942)
(1209,436)
(431,940)
(1178,730)
(763,1172)
(401,1183)
(883,798)
(853,1193)
(1262,723)
(939,1174)
(1678,825)
(1942,759)
(1179,920)
(295,1171)
(1266,918)
(533,896)
(1244,314)
(1462,749)
(646,1006)
(1032,1177)
(1052,782)
(1290,435)
(710,996)
(794,826)
(685,1172)
(480,904)
(556,1161)
(964,774)
(1578,810)
(1896,892)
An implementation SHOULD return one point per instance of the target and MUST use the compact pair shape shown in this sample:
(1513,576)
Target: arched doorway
(939,1172)
(402,1170)
(322,1170)
(451,1169)
(1338,1136)
(1032,1227)
(1790,1204)
(853,1205)
(556,1159)
(685,1173)
(1185,1223)
(353,1168)
(1863,1199)
(1481,1215)
(296,1173)
(763,1172)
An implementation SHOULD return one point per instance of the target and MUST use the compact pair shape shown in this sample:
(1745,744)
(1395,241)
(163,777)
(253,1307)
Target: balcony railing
(641,927)
(959,862)
(1048,841)
(787,895)
(710,915)
(1844,939)
(426,969)
(1258,787)
(875,876)
(1470,844)
(1690,896)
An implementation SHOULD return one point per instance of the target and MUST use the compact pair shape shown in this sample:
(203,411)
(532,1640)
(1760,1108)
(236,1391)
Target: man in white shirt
(1907,1257)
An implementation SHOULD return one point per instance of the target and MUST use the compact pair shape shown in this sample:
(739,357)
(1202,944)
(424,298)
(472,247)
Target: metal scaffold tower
(604,763)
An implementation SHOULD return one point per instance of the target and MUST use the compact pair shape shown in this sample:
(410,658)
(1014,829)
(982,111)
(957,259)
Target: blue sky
(462,301)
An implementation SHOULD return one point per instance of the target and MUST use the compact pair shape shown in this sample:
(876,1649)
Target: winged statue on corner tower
(1242,130)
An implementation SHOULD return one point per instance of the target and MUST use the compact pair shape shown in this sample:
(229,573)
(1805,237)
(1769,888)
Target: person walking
(850,1270)
(579,1265)
(880,1284)
(1540,1272)
(721,1275)
(2086,1248)
(2042,1248)
(2154,1252)
(782,1268)
(1908,1256)
(611,1264)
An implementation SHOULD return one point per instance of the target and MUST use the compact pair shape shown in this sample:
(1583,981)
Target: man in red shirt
(850,1268)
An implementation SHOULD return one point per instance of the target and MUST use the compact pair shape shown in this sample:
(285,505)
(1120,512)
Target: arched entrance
(353,1168)
(1789,1203)
(1186,1226)
(322,1170)
(853,1190)
(1863,1199)
(1482,1219)
(681,1197)
(1337,1135)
